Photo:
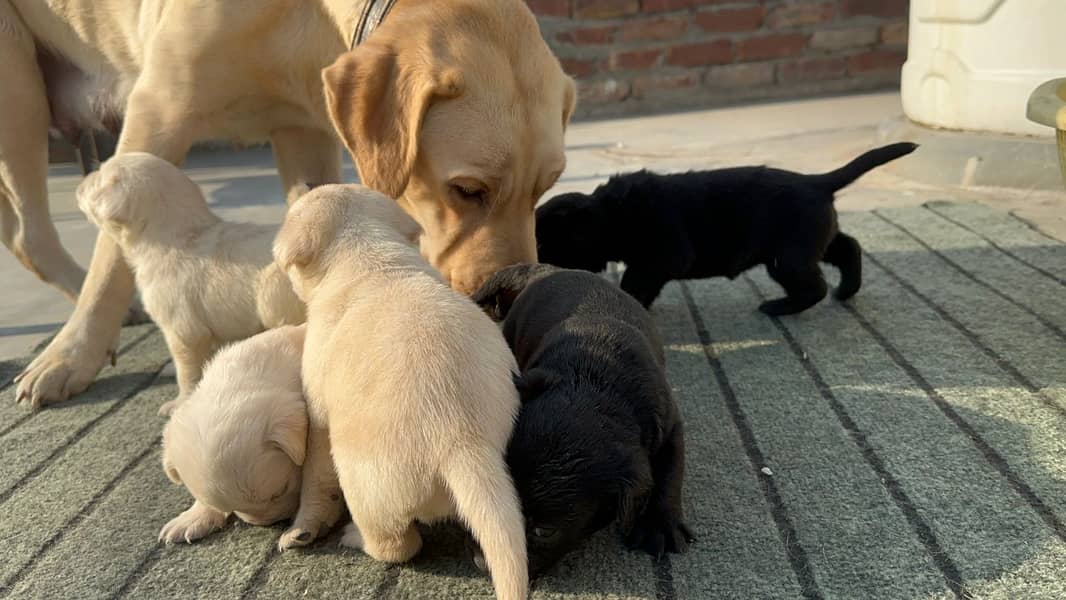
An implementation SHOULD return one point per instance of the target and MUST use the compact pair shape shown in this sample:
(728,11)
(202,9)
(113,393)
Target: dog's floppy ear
(103,195)
(377,103)
(626,475)
(533,383)
(297,242)
(289,432)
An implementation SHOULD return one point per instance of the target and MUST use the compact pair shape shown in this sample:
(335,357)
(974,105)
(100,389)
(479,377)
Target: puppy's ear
(377,101)
(297,243)
(169,468)
(289,432)
(627,475)
(103,195)
(533,383)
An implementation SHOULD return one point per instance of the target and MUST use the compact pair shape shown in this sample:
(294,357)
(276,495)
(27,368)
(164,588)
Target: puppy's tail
(486,500)
(842,177)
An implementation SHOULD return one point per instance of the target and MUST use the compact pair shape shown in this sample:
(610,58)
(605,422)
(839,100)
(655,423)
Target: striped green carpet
(910,444)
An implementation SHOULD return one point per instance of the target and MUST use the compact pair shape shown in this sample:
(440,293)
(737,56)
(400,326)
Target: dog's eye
(469,190)
(545,533)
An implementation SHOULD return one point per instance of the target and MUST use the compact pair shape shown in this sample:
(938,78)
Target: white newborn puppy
(238,442)
(204,281)
(408,382)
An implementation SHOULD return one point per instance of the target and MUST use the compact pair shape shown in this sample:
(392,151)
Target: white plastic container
(971,64)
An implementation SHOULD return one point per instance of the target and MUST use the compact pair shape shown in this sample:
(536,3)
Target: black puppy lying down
(712,223)
(599,437)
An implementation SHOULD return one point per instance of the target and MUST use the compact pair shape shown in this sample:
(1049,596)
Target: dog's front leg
(189,357)
(660,527)
(196,522)
(321,502)
(305,158)
(642,284)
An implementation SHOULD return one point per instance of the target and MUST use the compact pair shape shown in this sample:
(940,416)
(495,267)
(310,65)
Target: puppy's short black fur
(712,223)
(599,438)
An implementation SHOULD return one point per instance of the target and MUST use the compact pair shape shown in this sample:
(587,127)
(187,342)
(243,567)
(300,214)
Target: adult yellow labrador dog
(457,108)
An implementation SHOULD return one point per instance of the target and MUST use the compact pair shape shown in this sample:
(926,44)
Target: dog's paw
(66,367)
(659,532)
(777,308)
(191,525)
(297,536)
(352,538)
(168,407)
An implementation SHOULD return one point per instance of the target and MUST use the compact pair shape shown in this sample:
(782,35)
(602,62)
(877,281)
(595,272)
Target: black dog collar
(373,14)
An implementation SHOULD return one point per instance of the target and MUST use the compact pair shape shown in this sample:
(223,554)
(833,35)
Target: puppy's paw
(658,532)
(297,536)
(776,308)
(352,538)
(191,525)
(168,407)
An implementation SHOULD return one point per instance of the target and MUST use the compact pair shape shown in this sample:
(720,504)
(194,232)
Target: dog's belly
(78,100)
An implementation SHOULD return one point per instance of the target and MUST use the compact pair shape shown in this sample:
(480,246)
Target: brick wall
(647,55)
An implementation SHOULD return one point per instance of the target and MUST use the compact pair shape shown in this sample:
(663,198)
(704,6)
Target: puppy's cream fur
(203,280)
(238,442)
(411,382)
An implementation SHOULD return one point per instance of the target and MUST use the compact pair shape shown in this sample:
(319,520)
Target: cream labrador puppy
(204,281)
(407,381)
(456,108)
(238,443)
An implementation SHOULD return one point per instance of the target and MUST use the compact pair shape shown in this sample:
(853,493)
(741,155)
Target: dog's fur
(455,107)
(204,281)
(412,382)
(599,438)
(712,223)
(238,442)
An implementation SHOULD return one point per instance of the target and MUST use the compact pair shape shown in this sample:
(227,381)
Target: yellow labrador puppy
(412,382)
(455,107)
(204,281)
(238,442)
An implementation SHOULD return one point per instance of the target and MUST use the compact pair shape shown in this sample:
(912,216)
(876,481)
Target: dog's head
(332,220)
(458,112)
(575,474)
(242,455)
(572,232)
(136,194)
(503,287)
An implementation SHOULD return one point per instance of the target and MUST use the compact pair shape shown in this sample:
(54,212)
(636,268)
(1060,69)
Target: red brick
(838,39)
(717,52)
(577,67)
(797,15)
(894,34)
(730,20)
(588,36)
(603,91)
(874,8)
(876,60)
(812,69)
(635,59)
(654,83)
(550,8)
(605,9)
(662,28)
(740,75)
(771,46)
(652,6)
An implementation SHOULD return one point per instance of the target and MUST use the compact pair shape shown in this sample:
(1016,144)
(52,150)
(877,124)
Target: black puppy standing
(713,223)
(599,438)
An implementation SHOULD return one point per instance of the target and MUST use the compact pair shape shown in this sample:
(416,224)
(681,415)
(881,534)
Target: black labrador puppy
(713,223)
(599,438)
